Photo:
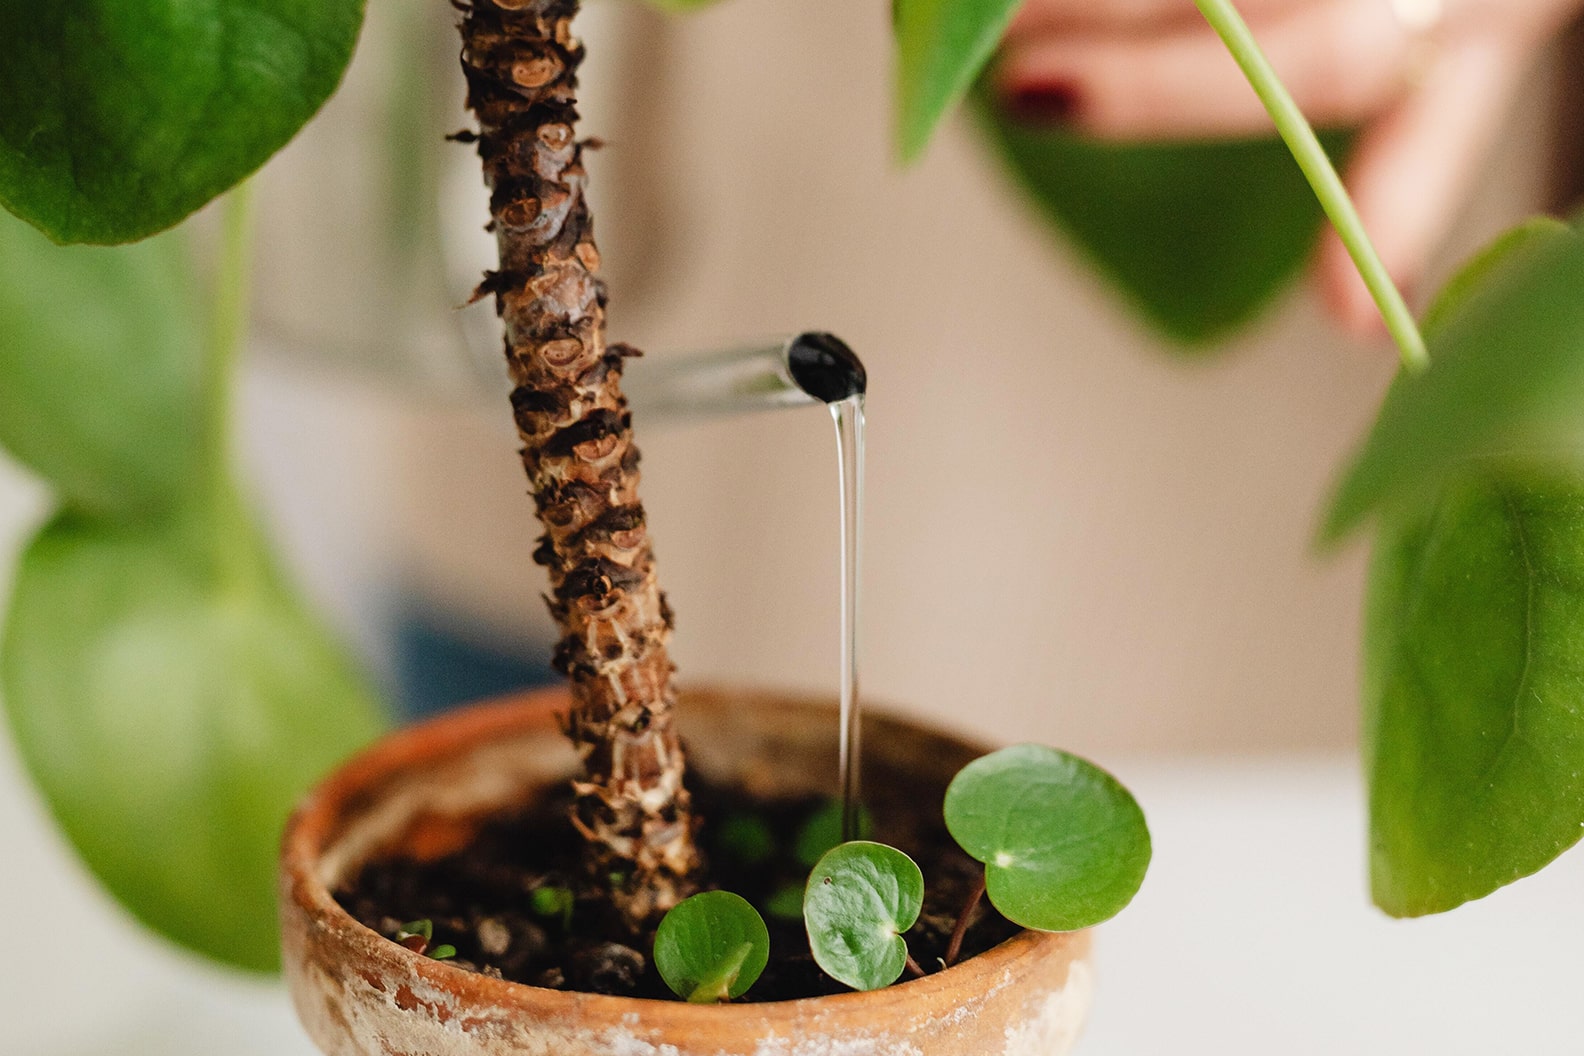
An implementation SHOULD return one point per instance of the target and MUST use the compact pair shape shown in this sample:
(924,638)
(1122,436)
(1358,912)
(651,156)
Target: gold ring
(1420,20)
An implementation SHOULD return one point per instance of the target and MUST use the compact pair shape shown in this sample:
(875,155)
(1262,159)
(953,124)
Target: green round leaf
(1474,683)
(122,118)
(711,947)
(173,704)
(101,369)
(859,901)
(1064,844)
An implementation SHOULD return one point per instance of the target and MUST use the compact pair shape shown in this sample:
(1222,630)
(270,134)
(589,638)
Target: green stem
(228,325)
(1322,176)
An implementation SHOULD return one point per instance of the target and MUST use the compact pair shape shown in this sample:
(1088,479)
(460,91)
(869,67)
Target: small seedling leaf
(860,899)
(823,831)
(444,952)
(1065,846)
(552,901)
(424,929)
(711,947)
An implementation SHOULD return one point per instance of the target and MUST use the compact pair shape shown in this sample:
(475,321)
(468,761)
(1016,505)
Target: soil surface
(502,902)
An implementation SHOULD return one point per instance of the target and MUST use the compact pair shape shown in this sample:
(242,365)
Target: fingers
(1413,167)
(1343,60)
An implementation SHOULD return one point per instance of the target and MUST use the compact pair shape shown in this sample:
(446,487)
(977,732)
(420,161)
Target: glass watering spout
(812,367)
(805,369)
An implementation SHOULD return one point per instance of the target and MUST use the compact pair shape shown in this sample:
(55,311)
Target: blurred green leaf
(1198,236)
(823,830)
(173,702)
(101,364)
(1474,685)
(1064,845)
(859,901)
(122,118)
(711,947)
(554,902)
(941,47)
(786,902)
(745,839)
(1505,382)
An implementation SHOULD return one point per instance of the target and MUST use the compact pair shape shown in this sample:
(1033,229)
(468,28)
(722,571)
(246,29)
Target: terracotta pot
(424,787)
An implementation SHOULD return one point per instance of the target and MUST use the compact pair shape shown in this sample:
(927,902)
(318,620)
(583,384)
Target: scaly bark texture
(521,63)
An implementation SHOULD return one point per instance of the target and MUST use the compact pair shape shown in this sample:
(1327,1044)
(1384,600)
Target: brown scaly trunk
(521,63)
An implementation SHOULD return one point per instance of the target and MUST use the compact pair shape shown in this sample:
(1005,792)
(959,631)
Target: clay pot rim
(314,820)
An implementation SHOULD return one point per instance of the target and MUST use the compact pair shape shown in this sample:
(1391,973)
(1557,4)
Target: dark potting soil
(483,901)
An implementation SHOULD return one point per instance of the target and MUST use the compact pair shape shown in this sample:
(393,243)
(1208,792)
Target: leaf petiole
(954,947)
(717,987)
(1322,175)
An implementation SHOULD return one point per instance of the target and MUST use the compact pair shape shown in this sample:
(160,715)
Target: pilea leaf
(941,47)
(1505,382)
(711,947)
(745,838)
(860,899)
(424,929)
(1474,683)
(1064,844)
(786,903)
(1198,236)
(122,118)
(101,369)
(550,901)
(823,830)
(172,703)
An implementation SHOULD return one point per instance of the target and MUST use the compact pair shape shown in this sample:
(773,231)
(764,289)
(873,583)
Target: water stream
(811,367)
(849,416)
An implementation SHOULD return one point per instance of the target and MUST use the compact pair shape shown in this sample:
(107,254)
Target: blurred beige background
(1073,536)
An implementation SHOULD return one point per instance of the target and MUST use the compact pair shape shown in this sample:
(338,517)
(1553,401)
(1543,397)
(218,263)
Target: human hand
(1428,81)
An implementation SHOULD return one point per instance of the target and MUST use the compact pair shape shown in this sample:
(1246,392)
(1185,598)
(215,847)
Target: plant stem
(954,947)
(228,323)
(520,58)
(1322,176)
(913,968)
(236,561)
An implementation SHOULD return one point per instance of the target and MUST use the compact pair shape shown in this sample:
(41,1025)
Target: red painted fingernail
(1045,104)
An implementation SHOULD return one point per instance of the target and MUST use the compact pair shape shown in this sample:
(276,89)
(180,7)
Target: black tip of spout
(825,368)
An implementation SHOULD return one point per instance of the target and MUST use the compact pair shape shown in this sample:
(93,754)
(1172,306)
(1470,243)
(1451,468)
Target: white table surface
(1252,935)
